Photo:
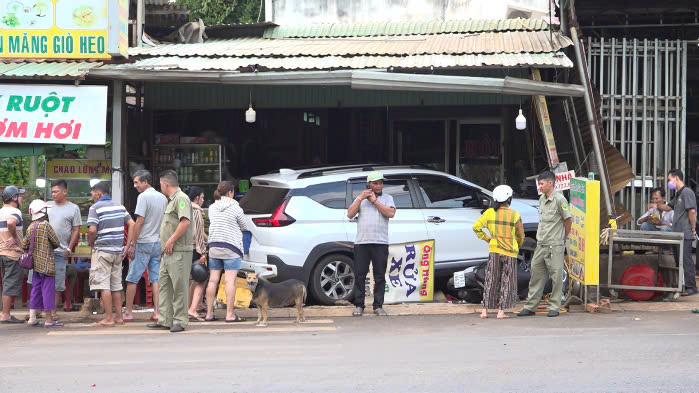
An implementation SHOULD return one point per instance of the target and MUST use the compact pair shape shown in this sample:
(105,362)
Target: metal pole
(611,128)
(117,176)
(656,132)
(678,142)
(683,127)
(623,109)
(573,141)
(666,141)
(139,22)
(589,106)
(634,127)
(644,126)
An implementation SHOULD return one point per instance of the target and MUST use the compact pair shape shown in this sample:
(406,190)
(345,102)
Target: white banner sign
(66,115)
(410,272)
(562,181)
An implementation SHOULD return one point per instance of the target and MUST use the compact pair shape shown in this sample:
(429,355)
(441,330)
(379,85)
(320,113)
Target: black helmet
(9,192)
(200,273)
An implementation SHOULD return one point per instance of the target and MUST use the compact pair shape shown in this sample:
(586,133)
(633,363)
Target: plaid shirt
(199,234)
(45,241)
(505,228)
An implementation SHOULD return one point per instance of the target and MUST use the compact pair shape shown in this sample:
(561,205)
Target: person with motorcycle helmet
(505,233)
(11,236)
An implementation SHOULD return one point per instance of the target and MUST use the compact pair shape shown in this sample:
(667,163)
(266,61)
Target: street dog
(268,294)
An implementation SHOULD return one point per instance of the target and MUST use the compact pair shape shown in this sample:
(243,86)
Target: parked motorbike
(474,277)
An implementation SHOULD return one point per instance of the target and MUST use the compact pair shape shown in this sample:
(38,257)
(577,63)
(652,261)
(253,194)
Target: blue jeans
(147,255)
(646,226)
(225,264)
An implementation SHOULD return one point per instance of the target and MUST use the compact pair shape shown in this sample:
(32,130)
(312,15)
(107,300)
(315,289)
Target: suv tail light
(278,219)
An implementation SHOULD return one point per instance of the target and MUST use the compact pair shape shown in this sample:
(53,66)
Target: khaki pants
(543,268)
(173,301)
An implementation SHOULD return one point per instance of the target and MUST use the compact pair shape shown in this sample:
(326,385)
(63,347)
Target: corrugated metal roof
(488,43)
(541,60)
(406,28)
(68,69)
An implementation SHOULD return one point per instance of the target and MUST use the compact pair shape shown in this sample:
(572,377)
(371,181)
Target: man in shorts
(64,217)
(105,222)
(150,207)
(11,237)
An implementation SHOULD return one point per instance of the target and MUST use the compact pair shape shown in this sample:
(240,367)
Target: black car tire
(320,283)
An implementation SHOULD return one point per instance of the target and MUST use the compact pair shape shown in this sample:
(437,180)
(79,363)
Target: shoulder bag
(26,261)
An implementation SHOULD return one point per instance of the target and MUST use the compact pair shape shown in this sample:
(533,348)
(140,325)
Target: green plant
(215,12)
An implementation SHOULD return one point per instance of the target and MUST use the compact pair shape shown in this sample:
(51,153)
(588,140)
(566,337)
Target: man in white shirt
(654,219)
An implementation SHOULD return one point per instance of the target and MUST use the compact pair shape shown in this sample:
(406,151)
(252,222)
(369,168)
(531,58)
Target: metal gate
(643,91)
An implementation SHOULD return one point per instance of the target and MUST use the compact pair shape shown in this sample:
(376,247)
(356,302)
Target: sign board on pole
(58,114)
(79,169)
(64,29)
(542,112)
(410,272)
(583,242)
(562,181)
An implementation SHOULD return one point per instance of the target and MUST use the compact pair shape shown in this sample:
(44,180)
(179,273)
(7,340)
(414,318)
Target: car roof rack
(345,168)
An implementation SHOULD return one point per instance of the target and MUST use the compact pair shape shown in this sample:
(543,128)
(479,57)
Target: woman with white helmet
(43,279)
(505,235)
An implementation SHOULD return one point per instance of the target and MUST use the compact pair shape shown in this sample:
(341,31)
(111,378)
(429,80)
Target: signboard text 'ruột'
(59,114)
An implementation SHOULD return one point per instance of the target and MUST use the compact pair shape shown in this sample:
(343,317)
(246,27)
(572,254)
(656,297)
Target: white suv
(298,219)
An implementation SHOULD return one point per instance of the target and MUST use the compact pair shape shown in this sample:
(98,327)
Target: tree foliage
(15,171)
(216,12)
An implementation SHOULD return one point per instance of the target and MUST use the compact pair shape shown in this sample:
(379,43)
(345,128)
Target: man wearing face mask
(684,221)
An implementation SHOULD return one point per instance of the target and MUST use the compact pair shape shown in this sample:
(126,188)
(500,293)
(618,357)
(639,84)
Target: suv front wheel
(333,279)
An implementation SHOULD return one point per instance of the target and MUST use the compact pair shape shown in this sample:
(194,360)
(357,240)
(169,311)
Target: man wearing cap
(554,226)
(371,245)
(11,236)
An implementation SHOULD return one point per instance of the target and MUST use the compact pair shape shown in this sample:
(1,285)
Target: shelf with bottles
(198,176)
(196,155)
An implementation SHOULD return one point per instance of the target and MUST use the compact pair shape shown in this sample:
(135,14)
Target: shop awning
(9,150)
(360,80)
(45,69)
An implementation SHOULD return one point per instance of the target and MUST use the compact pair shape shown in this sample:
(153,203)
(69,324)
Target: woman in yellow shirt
(505,234)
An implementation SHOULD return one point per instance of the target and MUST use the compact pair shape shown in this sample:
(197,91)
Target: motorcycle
(468,284)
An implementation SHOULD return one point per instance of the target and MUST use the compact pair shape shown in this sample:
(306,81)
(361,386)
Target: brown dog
(268,294)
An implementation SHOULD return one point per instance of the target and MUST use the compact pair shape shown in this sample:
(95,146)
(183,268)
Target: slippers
(358,311)
(128,320)
(53,324)
(212,319)
(12,320)
(33,324)
(237,319)
(192,318)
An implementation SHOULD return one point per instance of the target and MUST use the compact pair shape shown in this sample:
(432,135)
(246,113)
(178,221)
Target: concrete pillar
(117,175)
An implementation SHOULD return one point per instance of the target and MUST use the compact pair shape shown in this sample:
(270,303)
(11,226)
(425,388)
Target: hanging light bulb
(250,114)
(521,121)
(40,182)
(94,181)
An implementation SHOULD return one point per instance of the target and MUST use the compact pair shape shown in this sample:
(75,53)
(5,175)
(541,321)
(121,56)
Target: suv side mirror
(486,202)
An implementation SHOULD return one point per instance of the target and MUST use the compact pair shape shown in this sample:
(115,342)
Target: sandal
(237,319)
(12,320)
(358,311)
(212,319)
(33,324)
(197,318)
(380,312)
(53,324)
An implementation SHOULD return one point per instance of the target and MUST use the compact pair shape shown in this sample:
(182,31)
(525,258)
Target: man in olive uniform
(176,237)
(554,227)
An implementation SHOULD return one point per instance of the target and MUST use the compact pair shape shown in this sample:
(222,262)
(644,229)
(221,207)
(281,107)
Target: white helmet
(502,193)
(38,209)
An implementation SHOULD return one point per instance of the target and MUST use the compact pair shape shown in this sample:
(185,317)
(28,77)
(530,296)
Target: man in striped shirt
(11,249)
(105,222)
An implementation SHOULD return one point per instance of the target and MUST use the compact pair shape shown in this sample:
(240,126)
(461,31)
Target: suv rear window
(332,195)
(263,200)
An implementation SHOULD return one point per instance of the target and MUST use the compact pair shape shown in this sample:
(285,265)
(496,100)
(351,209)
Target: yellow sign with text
(79,169)
(65,29)
(583,241)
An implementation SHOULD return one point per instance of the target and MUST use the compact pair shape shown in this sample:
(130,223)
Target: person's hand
(169,245)
(652,206)
(132,253)
(366,194)
(202,259)
(126,252)
(66,253)
(655,221)
(372,198)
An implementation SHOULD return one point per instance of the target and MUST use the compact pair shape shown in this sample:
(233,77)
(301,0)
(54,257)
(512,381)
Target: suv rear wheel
(333,279)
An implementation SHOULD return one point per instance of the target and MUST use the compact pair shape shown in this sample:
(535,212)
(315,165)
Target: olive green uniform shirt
(553,211)
(179,206)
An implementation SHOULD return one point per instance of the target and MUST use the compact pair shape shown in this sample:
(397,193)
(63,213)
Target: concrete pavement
(576,352)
